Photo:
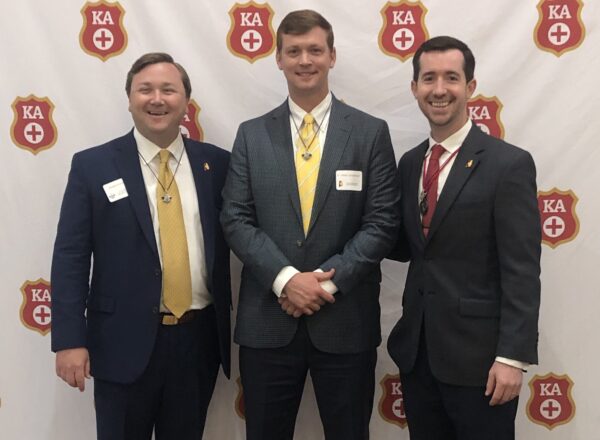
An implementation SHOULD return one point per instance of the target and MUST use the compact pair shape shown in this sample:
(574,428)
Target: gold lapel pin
(206,166)
(469,163)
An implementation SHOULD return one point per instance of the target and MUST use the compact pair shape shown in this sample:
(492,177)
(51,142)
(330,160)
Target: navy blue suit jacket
(115,313)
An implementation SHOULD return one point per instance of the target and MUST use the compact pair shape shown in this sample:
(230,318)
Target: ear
(278,59)
(413,88)
(471,86)
(333,58)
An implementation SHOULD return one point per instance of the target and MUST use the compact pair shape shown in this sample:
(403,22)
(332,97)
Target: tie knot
(308,119)
(437,151)
(164,156)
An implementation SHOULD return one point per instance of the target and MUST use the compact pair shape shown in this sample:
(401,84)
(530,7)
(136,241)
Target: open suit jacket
(473,283)
(122,298)
(350,231)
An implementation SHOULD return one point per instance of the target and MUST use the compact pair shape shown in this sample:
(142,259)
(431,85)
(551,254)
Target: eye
(292,52)
(316,51)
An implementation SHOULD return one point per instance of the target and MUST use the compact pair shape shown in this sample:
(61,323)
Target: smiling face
(442,91)
(305,61)
(158,102)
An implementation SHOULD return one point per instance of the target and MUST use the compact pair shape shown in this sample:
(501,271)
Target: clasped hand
(303,294)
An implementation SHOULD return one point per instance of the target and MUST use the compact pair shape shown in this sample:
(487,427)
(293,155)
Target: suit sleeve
(71,263)
(247,240)
(518,238)
(380,218)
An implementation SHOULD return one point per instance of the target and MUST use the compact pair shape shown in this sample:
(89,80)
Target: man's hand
(73,366)
(303,293)
(504,381)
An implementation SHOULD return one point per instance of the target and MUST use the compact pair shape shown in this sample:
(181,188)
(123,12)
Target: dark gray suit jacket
(474,281)
(350,231)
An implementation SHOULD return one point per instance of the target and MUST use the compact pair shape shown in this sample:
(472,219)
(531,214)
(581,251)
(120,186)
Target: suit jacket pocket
(479,308)
(101,304)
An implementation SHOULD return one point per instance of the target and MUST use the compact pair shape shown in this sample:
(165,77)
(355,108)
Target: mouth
(439,104)
(305,74)
(156,113)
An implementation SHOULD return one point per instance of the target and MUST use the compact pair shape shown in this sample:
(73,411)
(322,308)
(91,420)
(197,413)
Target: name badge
(115,190)
(348,180)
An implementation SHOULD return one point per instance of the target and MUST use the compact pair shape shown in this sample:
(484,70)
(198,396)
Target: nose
(157,97)
(439,88)
(305,58)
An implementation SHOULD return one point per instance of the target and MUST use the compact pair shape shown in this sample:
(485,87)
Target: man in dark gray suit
(311,233)
(471,229)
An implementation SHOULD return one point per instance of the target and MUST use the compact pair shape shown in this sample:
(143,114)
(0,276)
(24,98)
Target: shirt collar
(149,149)
(454,141)
(319,112)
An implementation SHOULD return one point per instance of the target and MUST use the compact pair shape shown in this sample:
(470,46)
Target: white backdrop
(549,105)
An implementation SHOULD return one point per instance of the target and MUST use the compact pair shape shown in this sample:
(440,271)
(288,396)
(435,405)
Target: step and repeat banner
(63,72)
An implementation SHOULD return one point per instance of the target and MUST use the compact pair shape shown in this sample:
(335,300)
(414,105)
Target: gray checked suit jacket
(350,231)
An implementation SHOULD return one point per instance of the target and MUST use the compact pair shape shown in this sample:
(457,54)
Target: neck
(162,140)
(440,133)
(308,102)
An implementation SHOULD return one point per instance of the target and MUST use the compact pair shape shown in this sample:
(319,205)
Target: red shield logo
(485,112)
(559,28)
(403,29)
(240,409)
(35,309)
(391,403)
(103,34)
(190,125)
(33,128)
(550,403)
(251,34)
(559,220)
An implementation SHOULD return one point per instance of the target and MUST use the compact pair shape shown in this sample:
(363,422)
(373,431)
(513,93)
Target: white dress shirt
(150,161)
(321,115)
(452,144)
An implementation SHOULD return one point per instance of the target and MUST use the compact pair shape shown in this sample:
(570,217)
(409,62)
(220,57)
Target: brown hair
(155,58)
(302,21)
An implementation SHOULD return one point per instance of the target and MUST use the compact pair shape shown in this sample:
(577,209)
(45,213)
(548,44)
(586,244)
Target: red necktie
(430,184)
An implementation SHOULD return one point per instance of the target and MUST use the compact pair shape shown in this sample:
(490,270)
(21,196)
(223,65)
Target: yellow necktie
(308,158)
(177,279)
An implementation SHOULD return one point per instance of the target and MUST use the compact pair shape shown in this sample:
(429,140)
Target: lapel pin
(469,163)
(206,166)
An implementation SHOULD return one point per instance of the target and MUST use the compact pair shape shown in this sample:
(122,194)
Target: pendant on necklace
(166,198)
(423,205)
(306,155)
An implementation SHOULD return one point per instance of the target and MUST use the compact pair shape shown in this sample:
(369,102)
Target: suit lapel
(278,128)
(465,163)
(128,164)
(338,133)
(200,165)
(413,191)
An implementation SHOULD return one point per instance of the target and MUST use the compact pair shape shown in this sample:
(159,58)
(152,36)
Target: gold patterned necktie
(177,279)
(308,159)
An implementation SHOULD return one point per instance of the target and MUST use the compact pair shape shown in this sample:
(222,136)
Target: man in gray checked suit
(310,208)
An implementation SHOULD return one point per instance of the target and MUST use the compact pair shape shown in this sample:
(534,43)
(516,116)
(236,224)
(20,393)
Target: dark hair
(155,58)
(303,21)
(442,44)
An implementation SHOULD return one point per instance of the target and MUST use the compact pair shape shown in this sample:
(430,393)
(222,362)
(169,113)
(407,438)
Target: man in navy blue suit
(151,325)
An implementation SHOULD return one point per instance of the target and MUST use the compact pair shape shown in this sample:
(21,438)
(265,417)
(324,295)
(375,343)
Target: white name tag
(348,180)
(115,190)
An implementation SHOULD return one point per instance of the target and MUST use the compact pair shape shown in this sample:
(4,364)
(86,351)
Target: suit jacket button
(157,272)
(155,310)
(299,243)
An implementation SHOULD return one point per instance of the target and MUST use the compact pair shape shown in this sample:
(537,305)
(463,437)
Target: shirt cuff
(282,279)
(328,285)
(517,364)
